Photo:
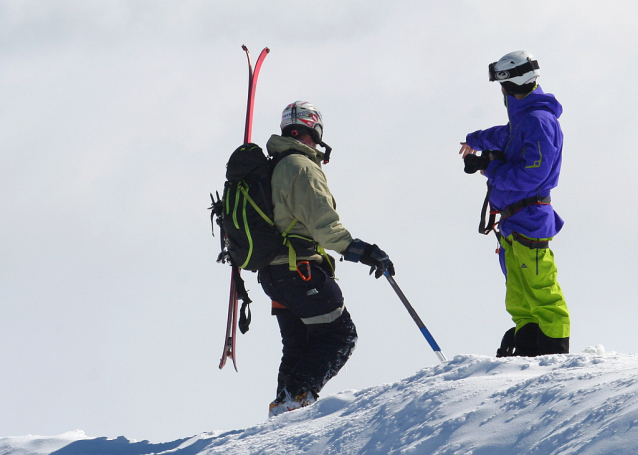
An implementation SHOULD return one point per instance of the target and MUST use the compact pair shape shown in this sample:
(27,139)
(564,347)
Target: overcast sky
(116,121)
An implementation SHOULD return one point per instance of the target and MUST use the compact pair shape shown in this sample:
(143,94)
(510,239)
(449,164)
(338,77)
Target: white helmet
(305,114)
(518,67)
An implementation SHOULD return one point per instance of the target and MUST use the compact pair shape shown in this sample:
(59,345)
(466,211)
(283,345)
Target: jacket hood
(278,144)
(536,99)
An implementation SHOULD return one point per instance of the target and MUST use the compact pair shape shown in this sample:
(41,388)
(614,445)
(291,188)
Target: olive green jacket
(300,190)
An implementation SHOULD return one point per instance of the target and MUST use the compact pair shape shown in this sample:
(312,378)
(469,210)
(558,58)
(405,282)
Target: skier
(522,164)
(317,333)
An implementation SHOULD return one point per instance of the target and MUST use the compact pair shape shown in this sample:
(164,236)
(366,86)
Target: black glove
(475,163)
(372,255)
(480,162)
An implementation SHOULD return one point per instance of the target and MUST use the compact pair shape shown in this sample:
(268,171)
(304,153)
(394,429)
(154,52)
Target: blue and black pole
(426,333)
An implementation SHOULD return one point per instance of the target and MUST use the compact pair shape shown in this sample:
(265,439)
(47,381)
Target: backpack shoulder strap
(275,159)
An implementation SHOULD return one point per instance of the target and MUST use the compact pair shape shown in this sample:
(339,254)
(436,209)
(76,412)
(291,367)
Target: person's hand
(371,255)
(378,261)
(466,150)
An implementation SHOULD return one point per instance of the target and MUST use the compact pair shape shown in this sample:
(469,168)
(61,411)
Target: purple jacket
(532,142)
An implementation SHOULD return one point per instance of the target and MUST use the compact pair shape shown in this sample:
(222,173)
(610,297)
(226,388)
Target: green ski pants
(533,293)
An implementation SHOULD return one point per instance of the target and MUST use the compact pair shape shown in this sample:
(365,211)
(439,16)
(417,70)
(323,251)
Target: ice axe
(424,330)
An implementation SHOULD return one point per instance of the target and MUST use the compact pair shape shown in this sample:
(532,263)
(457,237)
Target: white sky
(116,121)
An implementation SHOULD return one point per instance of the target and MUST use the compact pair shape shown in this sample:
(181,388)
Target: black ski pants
(317,333)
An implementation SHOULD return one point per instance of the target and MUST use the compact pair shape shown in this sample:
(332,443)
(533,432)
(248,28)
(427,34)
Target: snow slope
(571,404)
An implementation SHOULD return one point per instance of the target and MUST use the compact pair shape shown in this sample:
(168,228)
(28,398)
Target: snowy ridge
(568,404)
(31,444)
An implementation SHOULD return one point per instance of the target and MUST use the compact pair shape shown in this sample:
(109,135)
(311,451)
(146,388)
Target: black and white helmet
(519,68)
(304,114)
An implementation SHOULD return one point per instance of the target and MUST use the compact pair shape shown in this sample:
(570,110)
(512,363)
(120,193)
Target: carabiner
(308,275)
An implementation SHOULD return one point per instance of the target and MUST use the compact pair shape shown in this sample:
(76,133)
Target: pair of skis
(231,323)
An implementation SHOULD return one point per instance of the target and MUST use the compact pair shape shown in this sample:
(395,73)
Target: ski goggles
(503,75)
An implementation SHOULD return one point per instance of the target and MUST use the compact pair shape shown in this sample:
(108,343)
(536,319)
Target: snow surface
(562,404)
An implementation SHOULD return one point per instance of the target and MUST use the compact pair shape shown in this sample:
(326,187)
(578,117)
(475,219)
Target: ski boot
(287,401)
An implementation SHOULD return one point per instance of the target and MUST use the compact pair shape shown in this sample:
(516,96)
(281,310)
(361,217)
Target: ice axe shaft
(426,333)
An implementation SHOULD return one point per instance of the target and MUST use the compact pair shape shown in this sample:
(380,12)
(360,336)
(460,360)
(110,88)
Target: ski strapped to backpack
(236,284)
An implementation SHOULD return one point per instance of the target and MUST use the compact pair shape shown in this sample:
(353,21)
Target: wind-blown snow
(31,444)
(563,404)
